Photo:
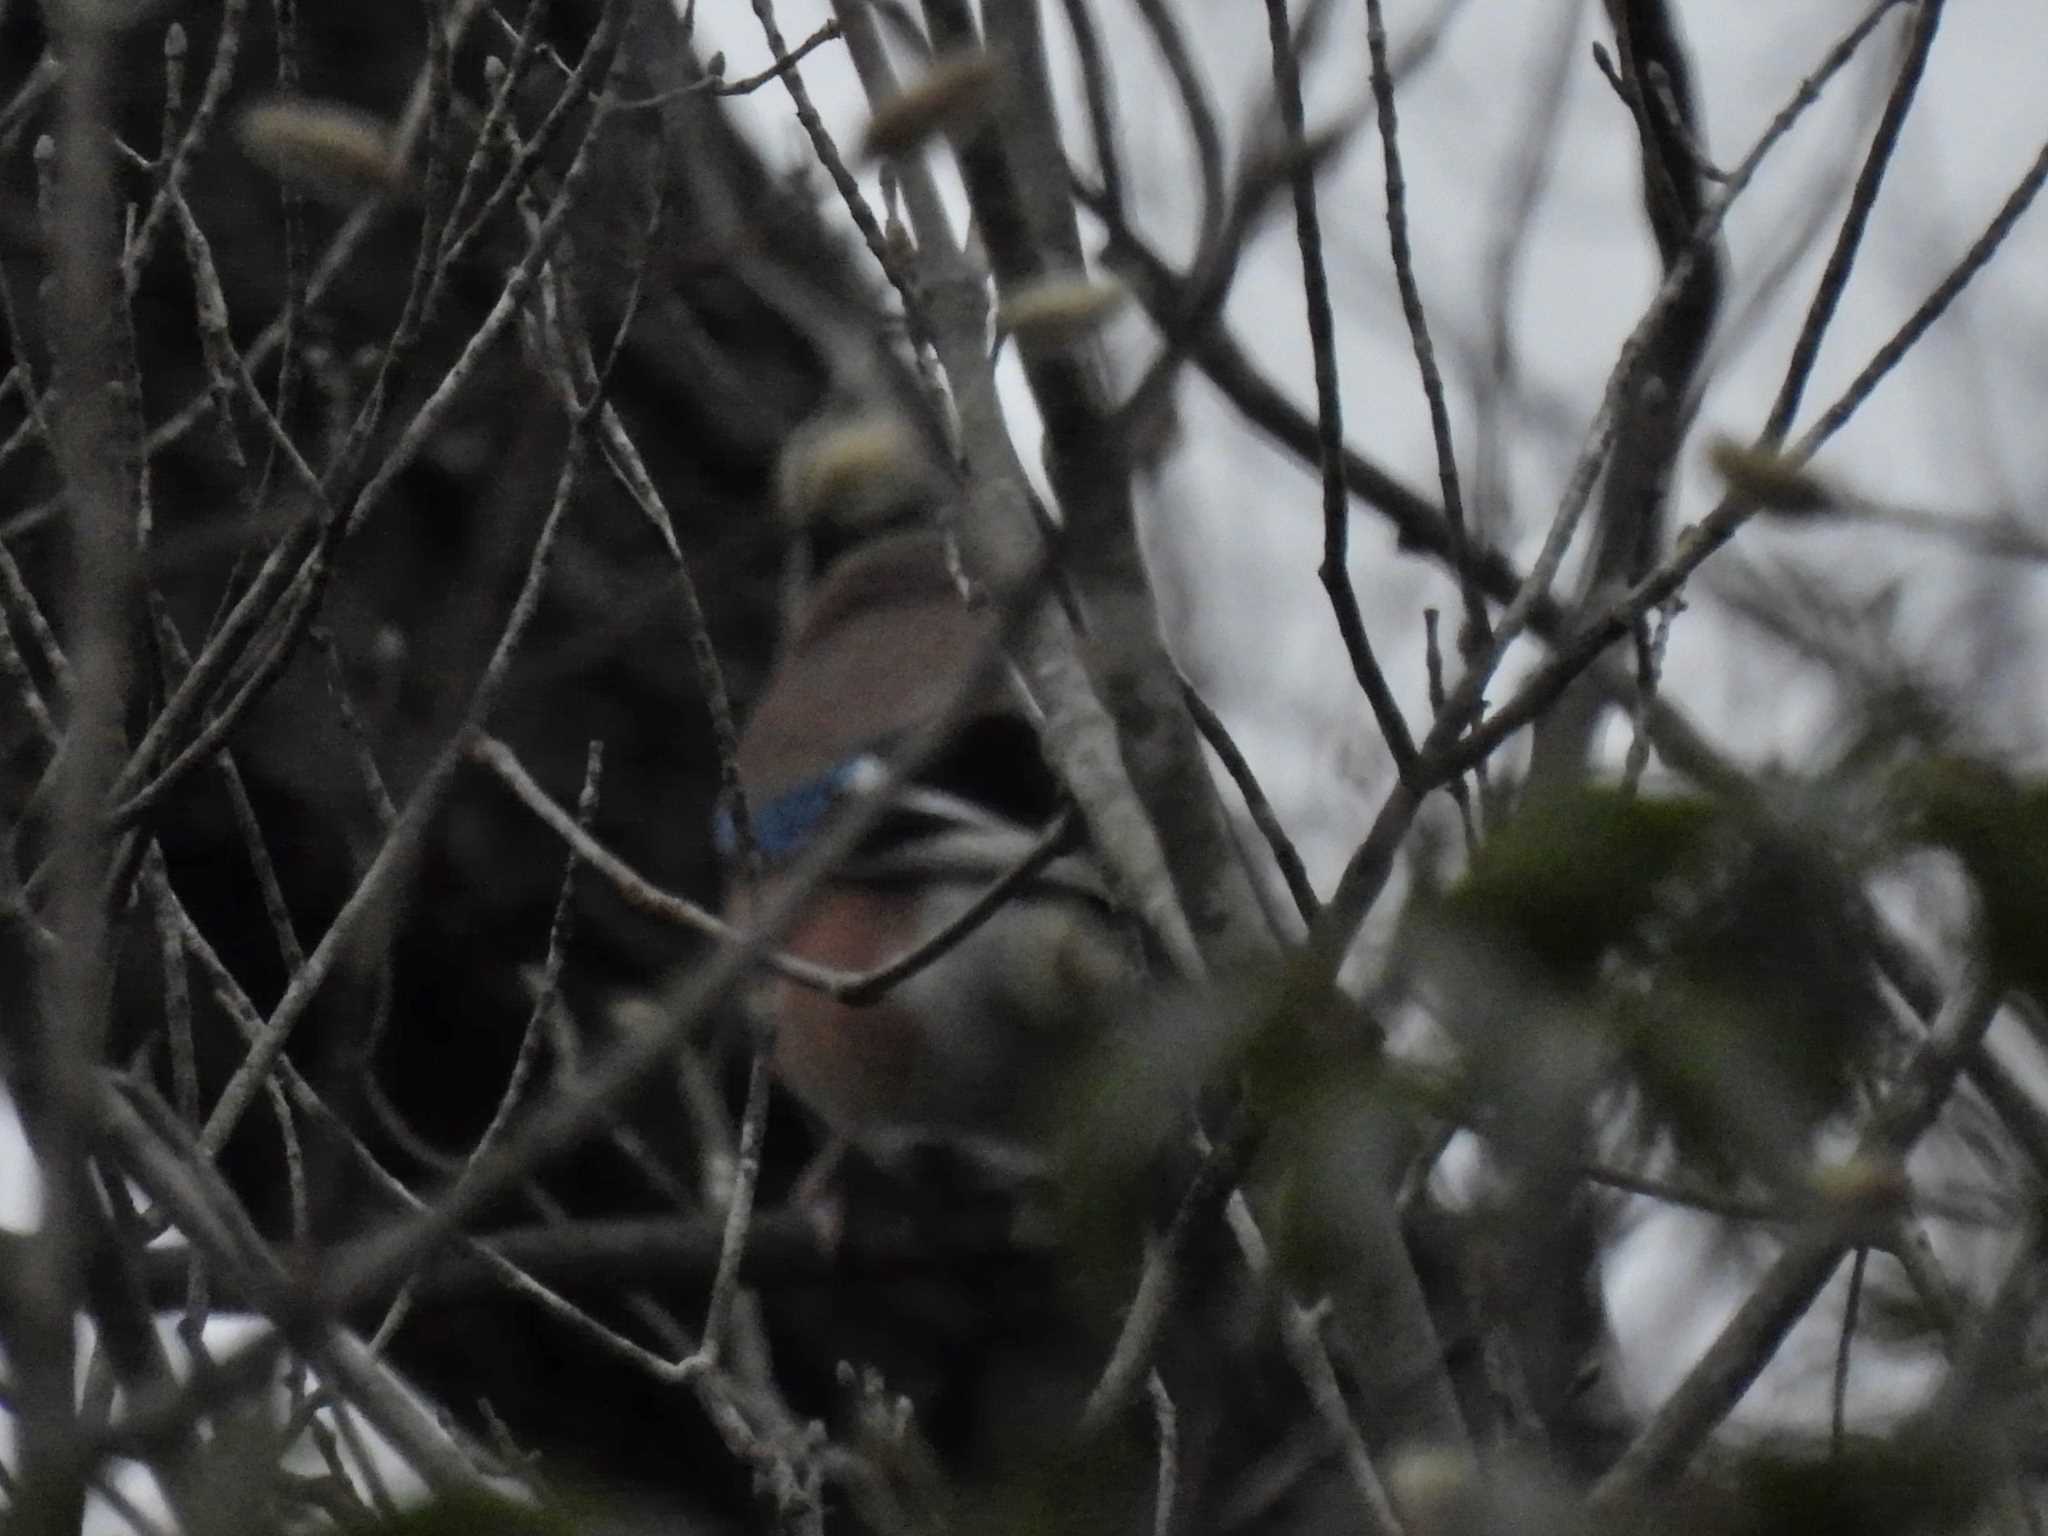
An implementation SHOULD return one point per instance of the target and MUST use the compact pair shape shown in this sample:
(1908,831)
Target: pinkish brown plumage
(969,1051)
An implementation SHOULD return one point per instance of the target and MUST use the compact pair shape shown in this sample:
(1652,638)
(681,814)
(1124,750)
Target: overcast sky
(1235,530)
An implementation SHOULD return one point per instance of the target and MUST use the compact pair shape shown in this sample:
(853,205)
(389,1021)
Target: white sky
(1236,531)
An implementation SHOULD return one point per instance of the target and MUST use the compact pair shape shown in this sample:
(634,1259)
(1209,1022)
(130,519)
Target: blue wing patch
(783,826)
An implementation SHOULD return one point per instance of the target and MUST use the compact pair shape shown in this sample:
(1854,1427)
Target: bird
(970,1052)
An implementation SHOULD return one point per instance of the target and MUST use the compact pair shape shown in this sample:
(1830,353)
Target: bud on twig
(1061,308)
(1772,480)
(851,472)
(322,148)
(956,94)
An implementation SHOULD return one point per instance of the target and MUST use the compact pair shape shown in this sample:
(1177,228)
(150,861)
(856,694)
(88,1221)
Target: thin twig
(1098,87)
(179,1181)
(739,1215)
(855,988)
(843,181)
(1931,309)
(1301,1333)
(292,205)
(1834,277)
(1002,548)
(1574,653)
(1058,837)
(1285,856)
(1201,1203)
(629,883)
(395,860)
(227,47)
(746,85)
(1788,1289)
(60,1046)
(1166,1422)
(528,155)
(1335,571)
(501,1270)
(294,615)
(1838,1397)
(1403,257)
(1016,184)
(573,1108)
(1167,35)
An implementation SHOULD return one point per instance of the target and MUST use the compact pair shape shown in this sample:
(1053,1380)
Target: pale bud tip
(323,148)
(955,95)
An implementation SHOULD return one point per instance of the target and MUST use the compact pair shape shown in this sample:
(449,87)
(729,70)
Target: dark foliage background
(711,381)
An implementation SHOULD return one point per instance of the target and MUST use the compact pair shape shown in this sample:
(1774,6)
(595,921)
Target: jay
(971,1051)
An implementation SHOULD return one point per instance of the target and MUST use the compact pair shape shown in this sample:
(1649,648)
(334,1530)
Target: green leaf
(1573,874)
(1998,827)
